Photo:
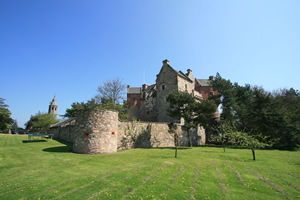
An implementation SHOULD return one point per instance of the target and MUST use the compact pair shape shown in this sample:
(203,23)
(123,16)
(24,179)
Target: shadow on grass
(32,141)
(172,148)
(61,149)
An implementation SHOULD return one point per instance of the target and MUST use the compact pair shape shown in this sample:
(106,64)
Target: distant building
(53,107)
(148,103)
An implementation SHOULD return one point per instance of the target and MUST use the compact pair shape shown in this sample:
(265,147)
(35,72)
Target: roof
(63,122)
(134,90)
(150,88)
(179,73)
(53,101)
(204,82)
(183,75)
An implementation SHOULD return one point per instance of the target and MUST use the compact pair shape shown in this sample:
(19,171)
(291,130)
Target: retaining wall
(99,131)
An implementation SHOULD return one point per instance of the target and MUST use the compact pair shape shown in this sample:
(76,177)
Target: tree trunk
(253,153)
(176,143)
(190,138)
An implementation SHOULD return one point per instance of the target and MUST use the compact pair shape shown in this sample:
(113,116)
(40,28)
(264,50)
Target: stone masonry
(100,131)
(96,131)
(148,103)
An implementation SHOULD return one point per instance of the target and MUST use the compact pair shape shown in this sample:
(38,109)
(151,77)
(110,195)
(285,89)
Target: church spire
(53,107)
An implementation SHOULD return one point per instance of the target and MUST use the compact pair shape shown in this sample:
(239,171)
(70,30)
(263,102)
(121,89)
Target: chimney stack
(145,86)
(166,62)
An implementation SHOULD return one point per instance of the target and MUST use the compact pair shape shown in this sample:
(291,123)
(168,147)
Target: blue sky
(69,47)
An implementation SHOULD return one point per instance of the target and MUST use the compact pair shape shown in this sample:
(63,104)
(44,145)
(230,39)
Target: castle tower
(53,107)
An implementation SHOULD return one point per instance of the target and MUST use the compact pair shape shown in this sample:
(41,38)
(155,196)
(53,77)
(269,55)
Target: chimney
(165,62)
(211,78)
(145,86)
(189,74)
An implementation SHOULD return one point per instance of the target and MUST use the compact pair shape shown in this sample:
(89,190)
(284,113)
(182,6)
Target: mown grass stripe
(238,175)
(287,182)
(145,180)
(269,182)
(221,180)
(171,182)
(195,183)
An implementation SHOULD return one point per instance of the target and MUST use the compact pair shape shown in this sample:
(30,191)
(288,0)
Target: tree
(122,109)
(111,90)
(229,135)
(109,97)
(173,130)
(92,104)
(14,124)
(225,97)
(40,122)
(254,110)
(194,112)
(5,119)
(181,106)
(252,142)
(224,136)
(76,107)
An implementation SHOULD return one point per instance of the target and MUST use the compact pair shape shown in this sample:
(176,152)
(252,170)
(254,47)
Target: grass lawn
(49,170)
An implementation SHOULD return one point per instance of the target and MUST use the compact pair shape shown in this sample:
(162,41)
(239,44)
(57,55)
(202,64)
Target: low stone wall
(144,135)
(64,133)
(99,131)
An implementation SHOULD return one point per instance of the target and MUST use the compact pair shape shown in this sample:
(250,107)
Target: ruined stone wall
(96,131)
(148,134)
(144,135)
(99,131)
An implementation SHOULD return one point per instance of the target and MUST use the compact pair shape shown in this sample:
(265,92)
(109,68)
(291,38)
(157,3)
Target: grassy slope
(48,170)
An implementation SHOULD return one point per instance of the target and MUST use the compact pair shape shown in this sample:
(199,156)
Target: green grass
(49,170)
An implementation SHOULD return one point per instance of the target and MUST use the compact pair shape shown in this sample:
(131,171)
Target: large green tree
(110,95)
(254,110)
(76,107)
(92,104)
(40,122)
(5,116)
(194,111)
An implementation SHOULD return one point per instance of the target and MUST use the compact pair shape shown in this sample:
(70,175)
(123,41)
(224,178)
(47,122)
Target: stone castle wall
(96,131)
(99,131)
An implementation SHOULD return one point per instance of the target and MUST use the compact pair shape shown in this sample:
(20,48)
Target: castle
(148,103)
(100,131)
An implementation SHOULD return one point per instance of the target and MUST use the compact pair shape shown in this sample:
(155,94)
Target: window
(163,87)
(186,87)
